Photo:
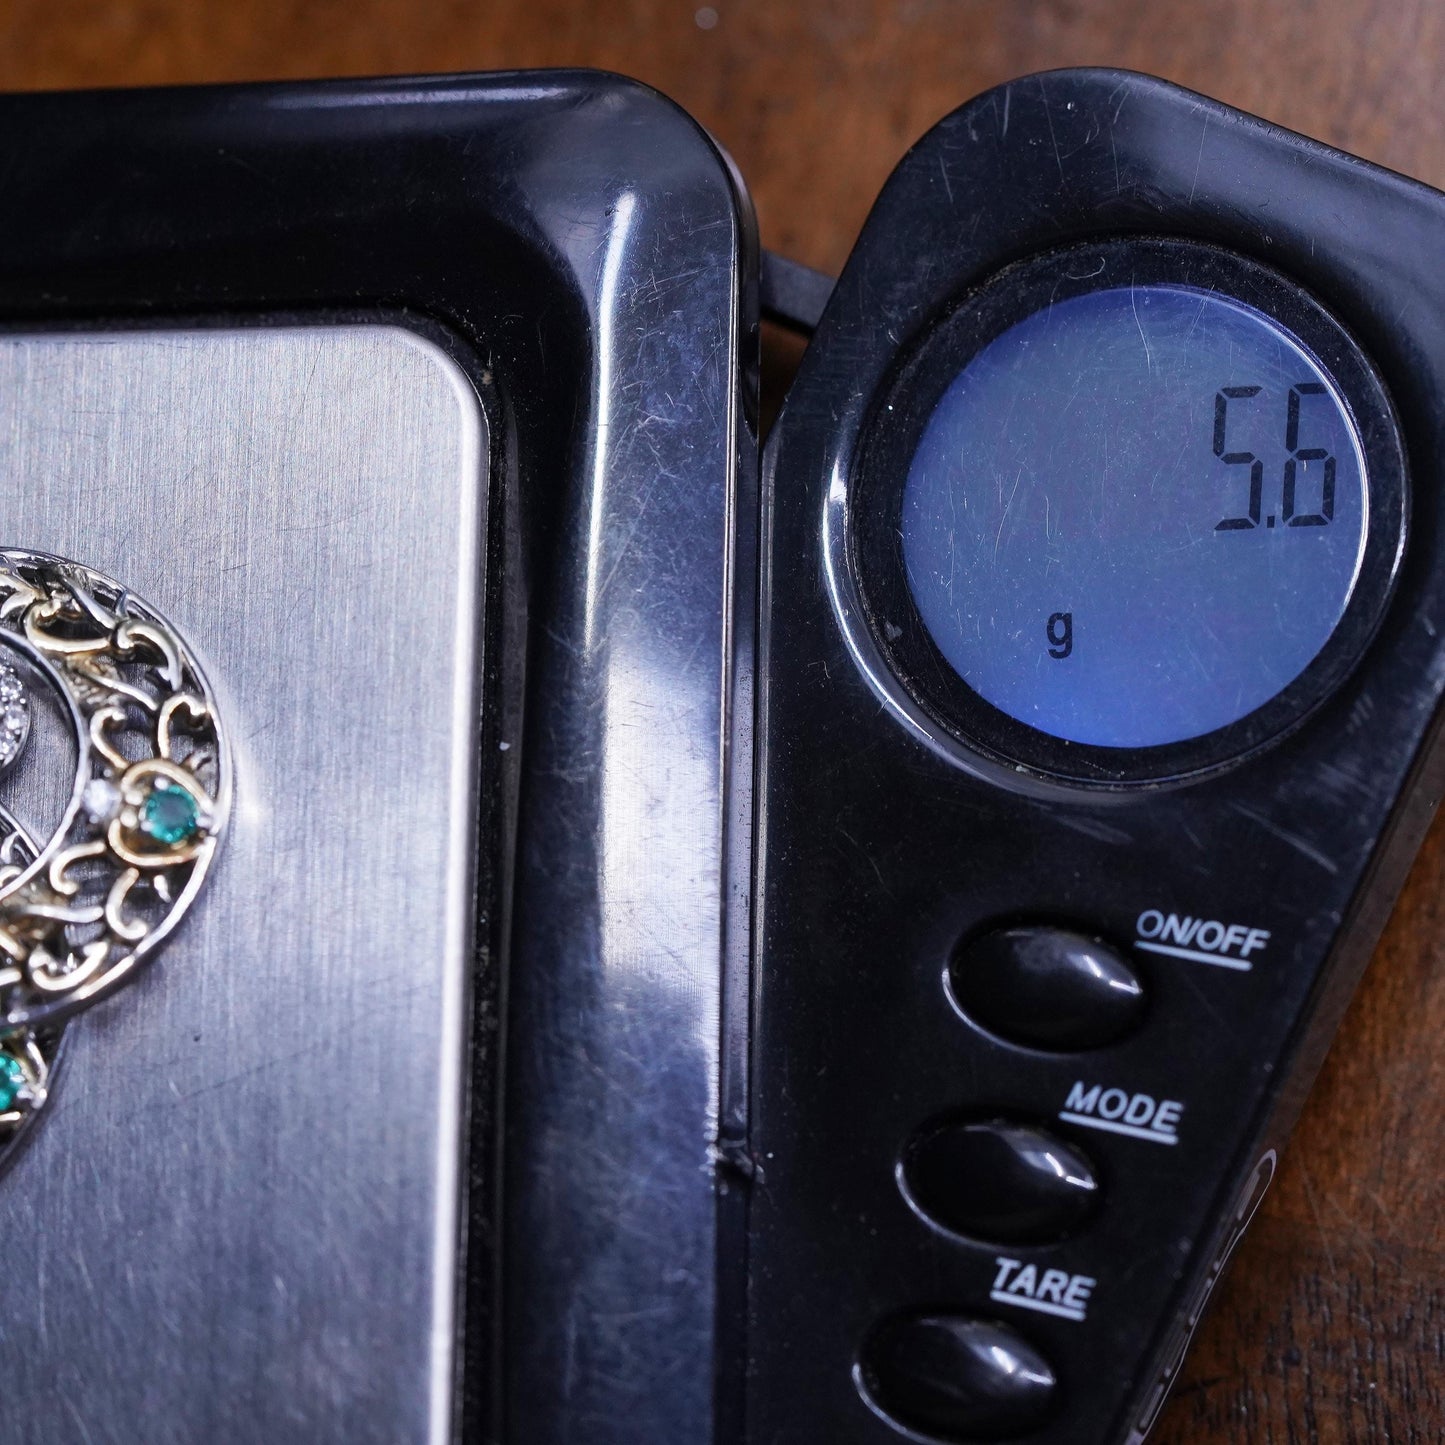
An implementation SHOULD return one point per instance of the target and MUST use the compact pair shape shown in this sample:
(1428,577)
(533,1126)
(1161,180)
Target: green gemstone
(12,1080)
(170,814)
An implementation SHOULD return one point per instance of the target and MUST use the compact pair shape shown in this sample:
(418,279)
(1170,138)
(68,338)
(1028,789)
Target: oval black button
(999,1181)
(957,1377)
(1047,987)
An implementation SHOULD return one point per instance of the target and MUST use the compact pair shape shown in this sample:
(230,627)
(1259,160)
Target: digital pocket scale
(698,955)
(1101,656)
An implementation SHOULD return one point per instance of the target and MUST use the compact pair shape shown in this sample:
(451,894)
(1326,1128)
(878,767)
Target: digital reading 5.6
(1136,515)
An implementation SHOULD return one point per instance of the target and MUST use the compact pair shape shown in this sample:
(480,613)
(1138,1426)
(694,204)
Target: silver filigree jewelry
(151,792)
(150,799)
(27,1056)
(14,715)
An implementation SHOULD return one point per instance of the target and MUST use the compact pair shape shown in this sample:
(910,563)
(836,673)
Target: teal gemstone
(170,814)
(12,1080)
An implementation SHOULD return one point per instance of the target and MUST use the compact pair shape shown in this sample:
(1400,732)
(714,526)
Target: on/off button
(1045,987)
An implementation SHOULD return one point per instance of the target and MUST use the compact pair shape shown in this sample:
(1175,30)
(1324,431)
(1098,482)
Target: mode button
(999,1180)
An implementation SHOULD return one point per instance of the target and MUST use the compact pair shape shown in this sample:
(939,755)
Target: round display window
(1130,510)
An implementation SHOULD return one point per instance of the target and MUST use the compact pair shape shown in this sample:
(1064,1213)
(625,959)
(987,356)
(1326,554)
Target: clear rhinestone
(11,687)
(14,718)
(101,800)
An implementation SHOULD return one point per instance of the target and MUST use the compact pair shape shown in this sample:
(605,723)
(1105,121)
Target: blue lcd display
(1135,516)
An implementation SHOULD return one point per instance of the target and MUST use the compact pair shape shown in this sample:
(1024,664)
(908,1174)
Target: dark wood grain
(1331,1324)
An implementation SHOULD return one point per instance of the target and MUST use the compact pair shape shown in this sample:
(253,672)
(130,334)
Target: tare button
(1049,1291)
(1122,1111)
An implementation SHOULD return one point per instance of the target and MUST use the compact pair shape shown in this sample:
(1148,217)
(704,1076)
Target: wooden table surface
(1331,1323)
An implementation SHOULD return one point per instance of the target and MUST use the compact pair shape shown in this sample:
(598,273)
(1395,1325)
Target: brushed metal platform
(239,1219)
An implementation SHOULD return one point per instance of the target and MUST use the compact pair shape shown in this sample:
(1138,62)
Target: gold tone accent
(101,721)
(60,865)
(193,705)
(124,833)
(19,596)
(145,717)
(53,643)
(54,975)
(130,929)
(129,634)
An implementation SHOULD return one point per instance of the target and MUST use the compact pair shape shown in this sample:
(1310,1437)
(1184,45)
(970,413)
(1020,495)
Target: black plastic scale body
(893,1292)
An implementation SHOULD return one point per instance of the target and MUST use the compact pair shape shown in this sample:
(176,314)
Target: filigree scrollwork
(150,796)
(27,1056)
